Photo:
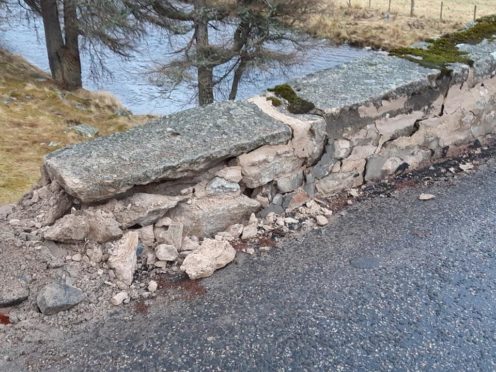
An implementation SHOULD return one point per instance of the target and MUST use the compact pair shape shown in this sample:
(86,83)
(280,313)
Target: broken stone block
(221,186)
(267,163)
(212,255)
(13,292)
(342,148)
(309,132)
(173,147)
(172,235)
(190,244)
(123,258)
(379,167)
(142,209)
(70,228)
(295,200)
(103,226)
(208,216)
(166,252)
(290,183)
(337,182)
(60,203)
(147,236)
(231,174)
(398,126)
(250,231)
(57,297)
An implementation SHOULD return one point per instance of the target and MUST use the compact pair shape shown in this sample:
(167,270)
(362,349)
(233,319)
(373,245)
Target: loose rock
(425,197)
(165,252)
(211,256)
(321,220)
(119,298)
(123,260)
(57,297)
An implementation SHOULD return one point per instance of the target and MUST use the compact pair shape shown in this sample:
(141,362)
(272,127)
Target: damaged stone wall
(182,188)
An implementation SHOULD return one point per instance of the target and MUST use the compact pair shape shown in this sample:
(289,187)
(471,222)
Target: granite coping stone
(484,57)
(366,79)
(176,146)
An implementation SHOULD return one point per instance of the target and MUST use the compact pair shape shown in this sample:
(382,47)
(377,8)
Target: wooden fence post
(475,12)
(412,8)
(441,14)
(370,4)
(389,8)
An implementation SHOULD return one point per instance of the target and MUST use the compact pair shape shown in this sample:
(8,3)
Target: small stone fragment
(466,167)
(77,257)
(321,220)
(152,286)
(173,235)
(425,197)
(250,231)
(57,297)
(166,252)
(119,298)
(235,230)
(221,186)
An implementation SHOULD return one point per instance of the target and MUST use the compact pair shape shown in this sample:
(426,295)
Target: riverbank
(377,28)
(36,117)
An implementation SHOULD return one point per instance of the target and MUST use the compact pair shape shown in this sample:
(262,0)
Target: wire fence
(453,10)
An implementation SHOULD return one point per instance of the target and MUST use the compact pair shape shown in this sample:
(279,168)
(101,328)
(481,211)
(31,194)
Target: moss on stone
(296,105)
(444,51)
(276,102)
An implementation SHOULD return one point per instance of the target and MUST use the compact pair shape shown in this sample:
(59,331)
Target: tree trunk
(205,71)
(71,60)
(63,56)
(238,74)
(53,38)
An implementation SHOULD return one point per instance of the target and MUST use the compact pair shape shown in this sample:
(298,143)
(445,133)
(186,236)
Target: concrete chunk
(173,147)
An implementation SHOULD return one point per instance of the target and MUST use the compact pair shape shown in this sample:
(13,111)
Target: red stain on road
(4,319)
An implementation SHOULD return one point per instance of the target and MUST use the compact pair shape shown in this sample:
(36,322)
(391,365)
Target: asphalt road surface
(395,284)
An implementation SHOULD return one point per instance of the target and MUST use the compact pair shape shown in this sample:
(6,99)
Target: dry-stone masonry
(182,187)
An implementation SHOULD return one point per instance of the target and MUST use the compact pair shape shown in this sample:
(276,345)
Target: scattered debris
(425,197)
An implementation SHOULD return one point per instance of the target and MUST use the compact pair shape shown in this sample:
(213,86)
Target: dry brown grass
(35,118)
(375,27)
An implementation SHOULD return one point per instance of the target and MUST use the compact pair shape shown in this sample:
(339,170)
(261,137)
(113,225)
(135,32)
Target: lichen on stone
(296,105)
(444,51)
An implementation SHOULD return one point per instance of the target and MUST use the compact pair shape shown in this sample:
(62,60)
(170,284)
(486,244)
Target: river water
(129,78)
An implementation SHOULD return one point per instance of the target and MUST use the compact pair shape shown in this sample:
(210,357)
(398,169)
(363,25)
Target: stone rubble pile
(179,193)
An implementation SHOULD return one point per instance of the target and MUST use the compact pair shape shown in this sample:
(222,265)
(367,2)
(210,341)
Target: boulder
(212,255)
(57,297)
(208,216)
(123,257)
